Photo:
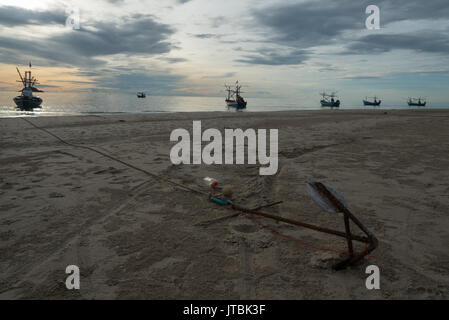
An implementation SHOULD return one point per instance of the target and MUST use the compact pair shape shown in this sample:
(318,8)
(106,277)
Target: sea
(78,103)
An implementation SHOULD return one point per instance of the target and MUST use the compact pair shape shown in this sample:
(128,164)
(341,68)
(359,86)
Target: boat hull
(28,103)
(331,104)
(411,104)
(234,104)
(369,103)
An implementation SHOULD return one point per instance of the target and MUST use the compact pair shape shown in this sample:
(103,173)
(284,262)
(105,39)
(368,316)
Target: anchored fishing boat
(329,101)
(376,102)
(26,101)
(416,102)
(234,99)
(141,95)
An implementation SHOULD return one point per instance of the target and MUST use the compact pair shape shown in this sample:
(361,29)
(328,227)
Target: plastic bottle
(211,182)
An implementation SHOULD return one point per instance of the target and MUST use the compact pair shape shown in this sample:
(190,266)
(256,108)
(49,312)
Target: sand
(135,236)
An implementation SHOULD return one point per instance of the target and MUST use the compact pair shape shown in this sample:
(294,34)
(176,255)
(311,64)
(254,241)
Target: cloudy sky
(192,47)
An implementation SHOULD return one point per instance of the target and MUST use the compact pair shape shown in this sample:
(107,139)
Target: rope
(180,185)
(307,244)
(115,159)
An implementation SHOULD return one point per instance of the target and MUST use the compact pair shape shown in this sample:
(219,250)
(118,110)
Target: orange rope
(308,244)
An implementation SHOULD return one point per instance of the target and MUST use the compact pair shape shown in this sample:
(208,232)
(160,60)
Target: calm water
(58,103)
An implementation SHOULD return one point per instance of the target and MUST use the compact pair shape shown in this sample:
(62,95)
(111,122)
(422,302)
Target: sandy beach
(136,236)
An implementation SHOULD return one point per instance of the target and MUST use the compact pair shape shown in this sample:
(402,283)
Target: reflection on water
(68,103)
(91,102)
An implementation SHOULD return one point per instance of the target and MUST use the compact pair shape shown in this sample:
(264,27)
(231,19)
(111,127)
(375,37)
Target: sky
(192,47)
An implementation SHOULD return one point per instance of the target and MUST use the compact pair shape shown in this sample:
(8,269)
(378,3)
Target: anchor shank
(305,225)
(348,234)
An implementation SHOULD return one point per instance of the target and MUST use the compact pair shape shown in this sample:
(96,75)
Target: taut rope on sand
(334,202)
(115,159)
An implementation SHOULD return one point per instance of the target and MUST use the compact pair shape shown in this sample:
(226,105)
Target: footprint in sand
(56,195)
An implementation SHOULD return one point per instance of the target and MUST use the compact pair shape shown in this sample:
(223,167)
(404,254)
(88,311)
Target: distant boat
(329,101)
(416,102)
(376,102)
(141,95)
(234,99)
(26,101)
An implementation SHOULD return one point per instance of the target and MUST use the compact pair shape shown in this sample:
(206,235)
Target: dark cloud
(175,60)
(136,34)
(48,86)
(326,67)
(276,57)
(14,16)
(399,10)
(221,76)
(208,36)
(309,24)
(43,52)
(313,23)
(429,41)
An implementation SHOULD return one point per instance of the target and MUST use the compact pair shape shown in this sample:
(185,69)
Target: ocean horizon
(73,103)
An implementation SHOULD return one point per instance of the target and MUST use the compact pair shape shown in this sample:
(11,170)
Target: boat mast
(21,78)
(28,78)
(228,89)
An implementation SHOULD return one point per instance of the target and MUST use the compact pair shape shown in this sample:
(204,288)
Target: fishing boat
(234,99)
(328,100)
(141,95)
(376,102)
(416,102)
(27,101)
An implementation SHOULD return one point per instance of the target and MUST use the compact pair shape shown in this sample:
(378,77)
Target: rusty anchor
(333,202)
